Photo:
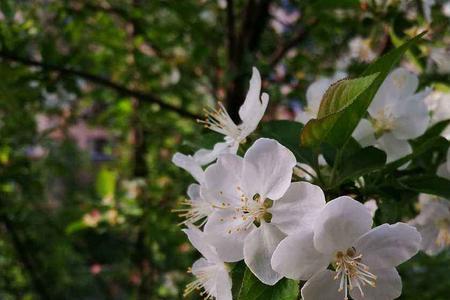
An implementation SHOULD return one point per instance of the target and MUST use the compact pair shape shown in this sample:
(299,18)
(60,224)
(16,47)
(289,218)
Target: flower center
(251,211)
(443,238)
(383,122)
(220,121)
(194,211)
(351,272)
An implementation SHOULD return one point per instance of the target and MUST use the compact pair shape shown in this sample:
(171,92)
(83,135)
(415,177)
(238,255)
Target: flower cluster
(251,207)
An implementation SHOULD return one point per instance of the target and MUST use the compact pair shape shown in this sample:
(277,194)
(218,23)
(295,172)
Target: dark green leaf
(362,162)
(428,184)
(253,289)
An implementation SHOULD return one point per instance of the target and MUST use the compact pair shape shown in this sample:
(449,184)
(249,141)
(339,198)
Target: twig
(143,96)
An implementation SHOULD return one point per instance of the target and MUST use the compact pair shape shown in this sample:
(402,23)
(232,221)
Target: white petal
(314,94)
(298,208)
(429,233)
(194,191)
(206,156)
(267,169)
(387,246)
(296,258)
(200,242)
(394,148)
(411,117)
(253,108)
(258,249)
(398,85)
(304,116)
(322,286)
(221,230)
(340,224)
(222,179)
(189,164)
(372,206)
(443,171)
(223,285)
(364,133)
(388,286)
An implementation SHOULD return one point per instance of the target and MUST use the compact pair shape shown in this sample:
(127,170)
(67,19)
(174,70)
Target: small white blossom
(251,113)
(397,114)
(433,223)
(441,56)
(363,259)
(210,271)
(258,205)
(360,49)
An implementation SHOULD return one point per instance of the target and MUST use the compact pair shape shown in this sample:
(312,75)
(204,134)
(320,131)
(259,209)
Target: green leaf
(237,277)
(106,182)
(431,132)
(253,289)
(286,133)
(362,162)
(430,184)
(337,127)
(343,93)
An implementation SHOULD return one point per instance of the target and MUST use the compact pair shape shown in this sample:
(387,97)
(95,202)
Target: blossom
(218,120)
(258,205)
(363,259)
(440,56)
(433,223)
(210,271)
(360,49)
(198,206)
(397,114)
(314,95)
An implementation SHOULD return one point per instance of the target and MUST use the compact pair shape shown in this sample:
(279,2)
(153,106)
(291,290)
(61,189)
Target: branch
(281,51)
(143,96)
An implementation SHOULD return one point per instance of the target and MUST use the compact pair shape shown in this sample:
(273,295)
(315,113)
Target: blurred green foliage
(91,219)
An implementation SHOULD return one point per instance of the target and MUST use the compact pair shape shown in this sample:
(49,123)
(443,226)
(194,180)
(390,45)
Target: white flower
(441,56)
(363,260)
(444,169)
(439,106)
(210,271)
(446,9)
(433,223)
(314,95)
(360,49)
(258,205)
(251,113)
(397,114)
(199,205)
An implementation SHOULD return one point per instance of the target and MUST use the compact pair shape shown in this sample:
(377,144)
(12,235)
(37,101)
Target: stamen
(220,121)
(193,212)
(352,273)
